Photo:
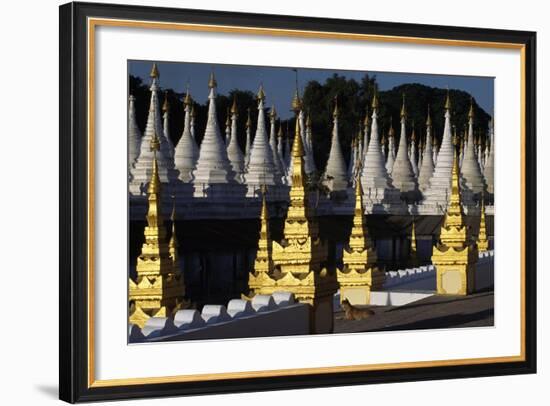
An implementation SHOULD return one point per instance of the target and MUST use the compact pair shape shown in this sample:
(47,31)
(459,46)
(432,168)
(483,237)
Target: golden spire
(482,242)
(296,102)
(448,101)
(234,108)
(264,261)
(471,112)
(335,112)
(187,101)
(413,252)
(173,244)
(453,230)
(261,94)
(212,81)
(154,72)
(375,101)
(166,104)
(297,145)
(248,120)
(391,132)
(429,119)
(273,113)
(403,109)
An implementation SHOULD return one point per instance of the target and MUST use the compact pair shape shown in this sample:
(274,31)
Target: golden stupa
(455,256)
(360,275)
(413,252)
(298,260)
(159,288)
(482,241)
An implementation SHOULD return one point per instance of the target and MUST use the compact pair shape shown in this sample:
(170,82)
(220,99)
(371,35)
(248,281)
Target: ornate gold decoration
(159,288)
(413,257)
(154,71)
(455,256)
(299,257)
(482,241)
(360,274)
(166,104)
(264,260)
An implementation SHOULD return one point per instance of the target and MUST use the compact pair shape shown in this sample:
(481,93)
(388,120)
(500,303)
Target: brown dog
(353,313)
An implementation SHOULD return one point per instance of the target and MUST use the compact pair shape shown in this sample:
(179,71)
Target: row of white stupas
(405,181)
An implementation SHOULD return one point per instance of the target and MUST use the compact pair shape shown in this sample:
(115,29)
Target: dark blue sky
(279,83)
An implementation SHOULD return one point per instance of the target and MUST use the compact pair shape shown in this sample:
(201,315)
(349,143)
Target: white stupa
(489,171)
(134,134)
(379,194)
(234,153)
(402,173)
(261,168)
(427,168)
(335,176)
(213,165)
(141,171)
(186,152)
(471,173)
(438,193)
(273,144)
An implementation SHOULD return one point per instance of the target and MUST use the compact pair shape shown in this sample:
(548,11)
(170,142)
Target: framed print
(255,202)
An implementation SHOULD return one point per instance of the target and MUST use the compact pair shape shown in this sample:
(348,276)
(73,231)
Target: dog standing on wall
(354,313)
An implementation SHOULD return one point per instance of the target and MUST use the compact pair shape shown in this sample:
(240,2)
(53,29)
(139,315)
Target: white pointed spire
(335,172)
(390,160)
(186,152)
(402,172)
(273,143)
(281,152)
(134,135)
(234,153)
(413,157)
(141,171)
(261,169)
(213,165)
(471,172)
(166,123)
(228,127)
(489,172)
(377,187)
(427,168)
(248,142)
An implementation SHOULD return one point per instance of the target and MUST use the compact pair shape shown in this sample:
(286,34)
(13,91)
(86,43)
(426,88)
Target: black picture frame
(74,384)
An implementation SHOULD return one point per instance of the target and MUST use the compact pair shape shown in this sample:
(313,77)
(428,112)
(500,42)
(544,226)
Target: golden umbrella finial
(280,133)
(471,112)
(413,135)
(296,102)
(335,112)
(375,101)
(391,131)
(154,71)
(429,119)
(273,113)
(212,81)
(261,94)
(187,101)
(234,108)
(448,101)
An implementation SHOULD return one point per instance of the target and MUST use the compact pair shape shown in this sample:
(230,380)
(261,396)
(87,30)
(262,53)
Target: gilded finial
(335,112)
(383,139)
(375,101)
(228,117)
(403,110)
(429,119)
(308,120)
(280,133)
(234,108)
(366,121)
(273,113)
(187,101)
(297,146)
(261,94)
(154,72)
(471,112)
(212,81)
(296,102)
(155,142)
(448,101)
(391,131)
(166,104)
(413,135)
